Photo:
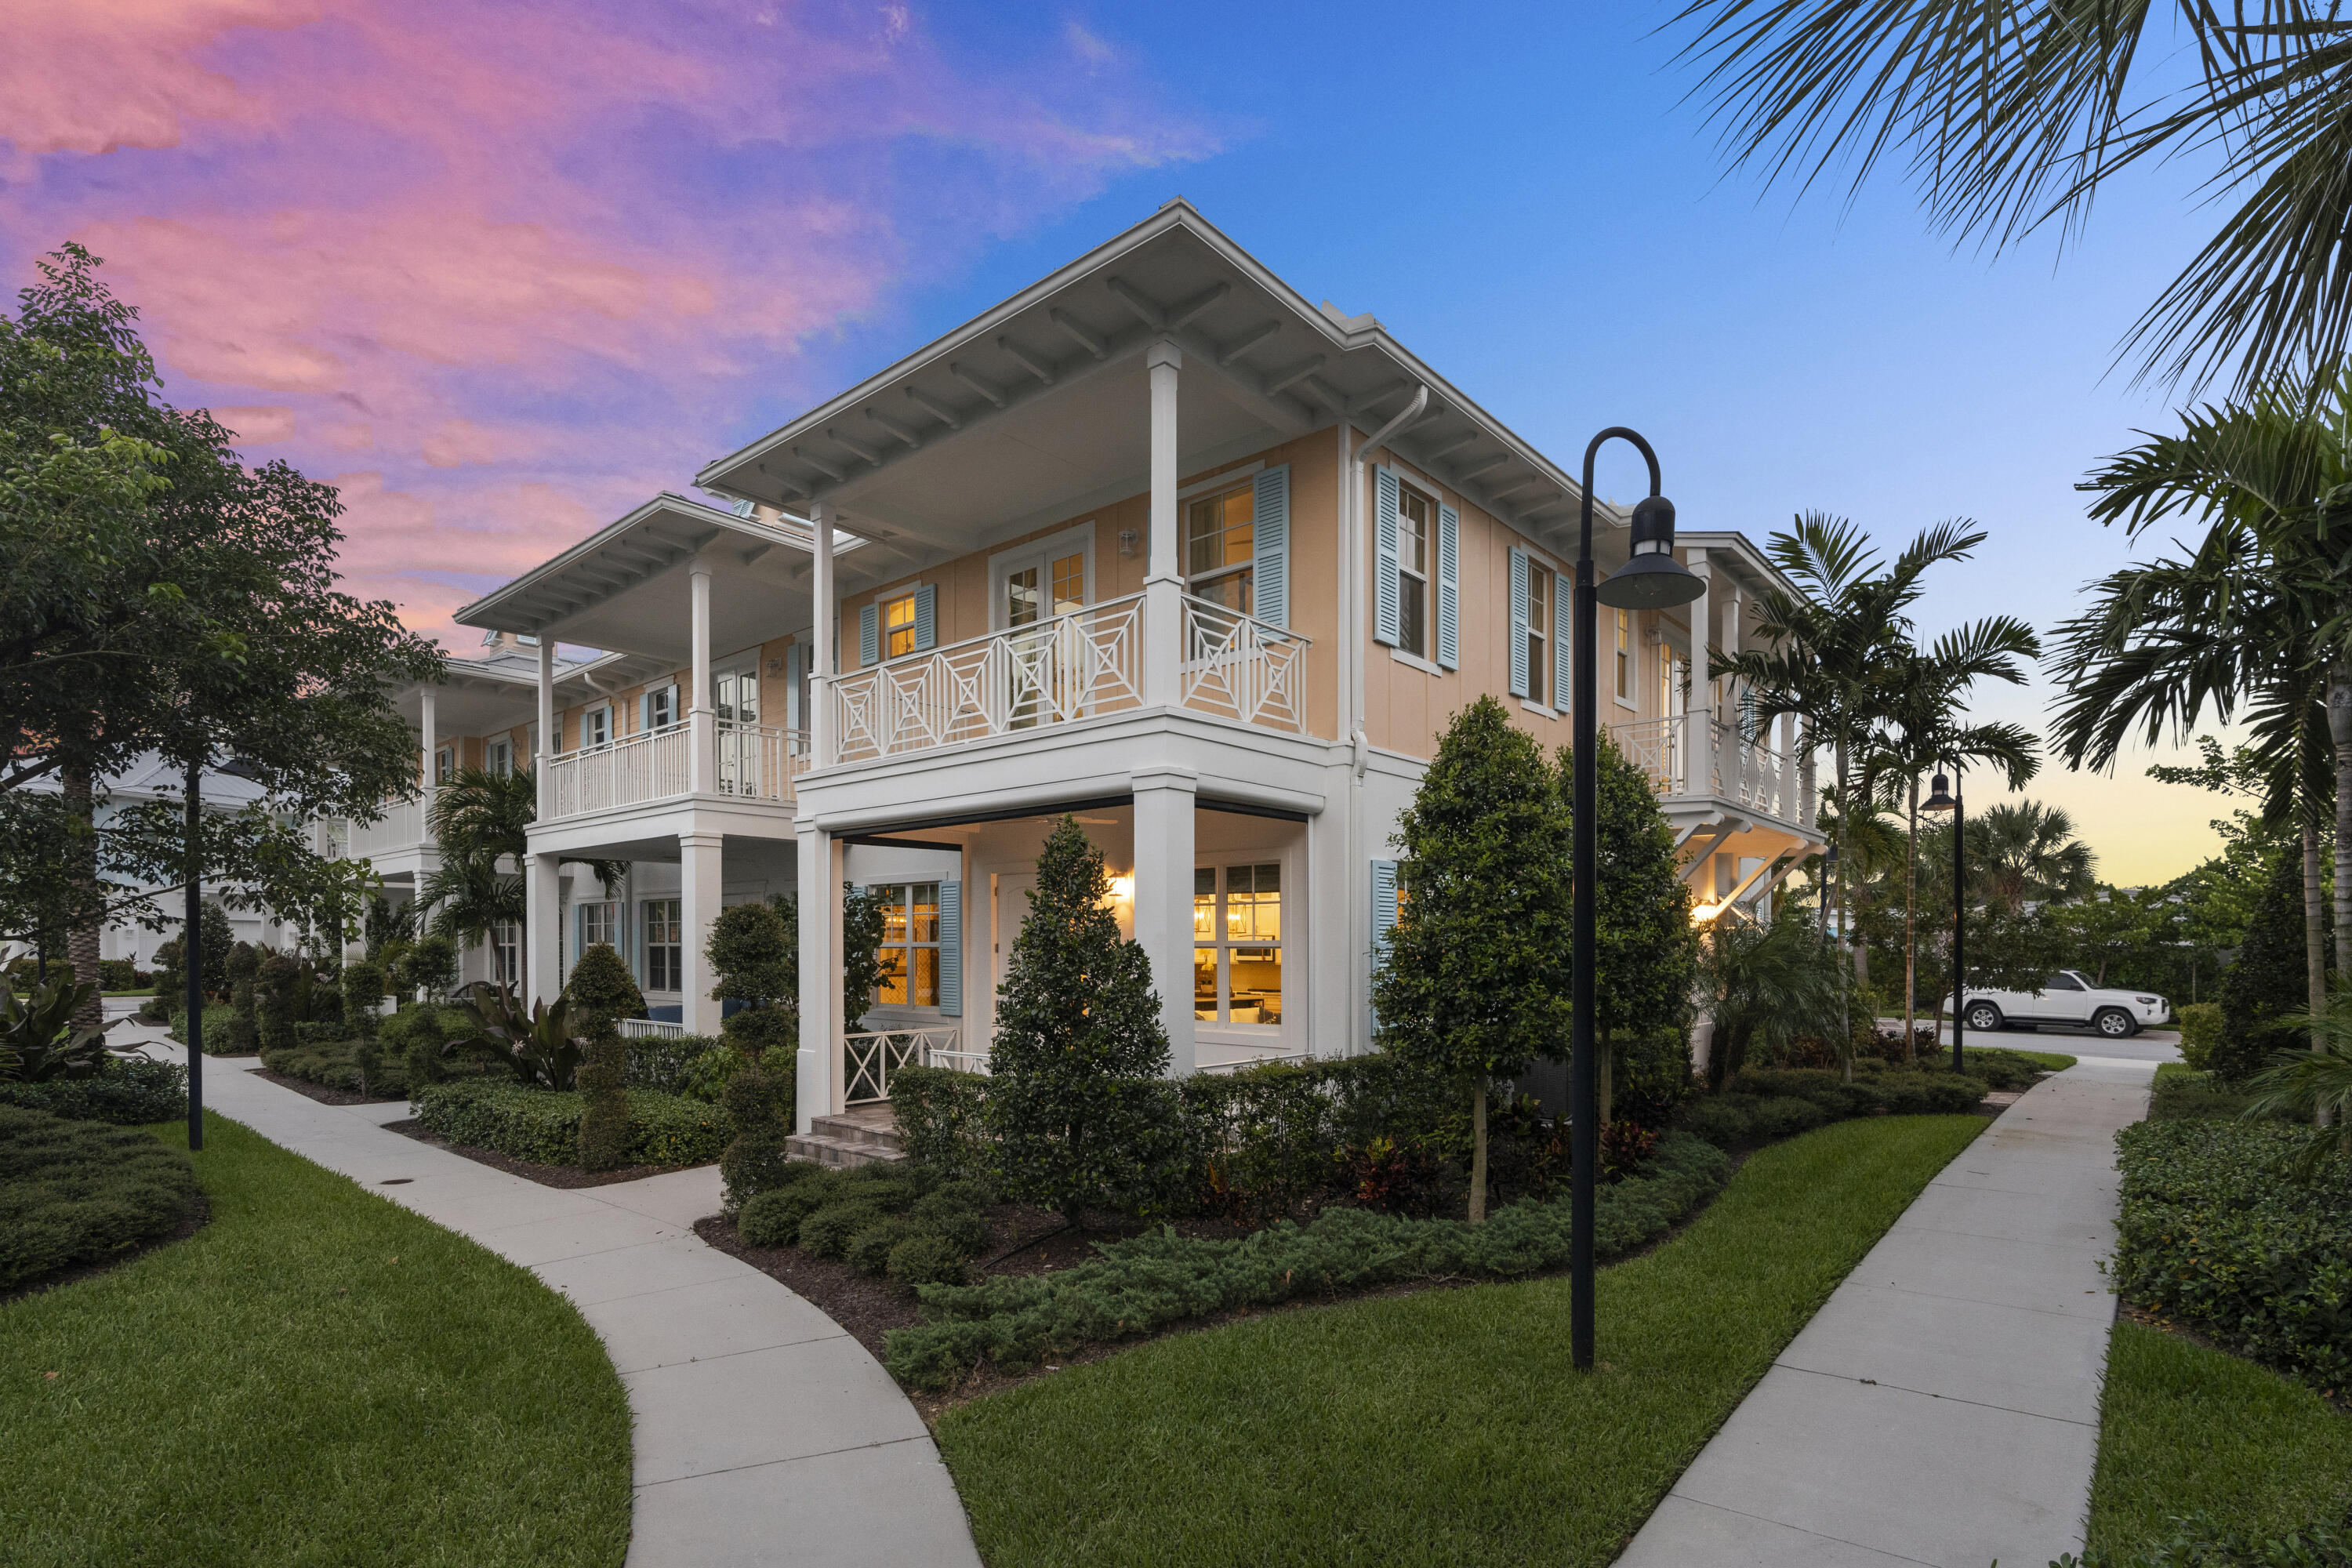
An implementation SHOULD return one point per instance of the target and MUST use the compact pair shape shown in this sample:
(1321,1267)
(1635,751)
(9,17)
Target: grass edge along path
(318,1375)
(1444,1426)
(2185,1429)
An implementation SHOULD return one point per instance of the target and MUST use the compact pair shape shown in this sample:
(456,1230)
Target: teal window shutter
(951,949)
(927,615)
(1449,589)
(1386,498)
(1519,671)
(1270,560)
(1384,917)
(869,636)
(1563,637)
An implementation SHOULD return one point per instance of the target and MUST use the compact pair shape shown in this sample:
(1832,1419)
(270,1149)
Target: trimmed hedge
(895,1219)
(1762,1104)
(2201,1035)
(2215,1236)
(335,1064)
(78,1192)
(543,1125)
(666,1064)
(1138,1286)
(130,1094)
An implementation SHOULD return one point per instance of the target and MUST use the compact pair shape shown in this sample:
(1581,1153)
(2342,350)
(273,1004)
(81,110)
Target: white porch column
(818,1074)
(1163,584)
(700,857)
(1785,806)
(1163,898)
(1698,736)
(701,762)
(1809,810)
(819,718)
(547,736)
(542,929)
(430,731)
(1735,775)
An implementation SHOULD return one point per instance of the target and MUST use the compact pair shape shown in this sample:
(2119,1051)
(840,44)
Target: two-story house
(1157,544)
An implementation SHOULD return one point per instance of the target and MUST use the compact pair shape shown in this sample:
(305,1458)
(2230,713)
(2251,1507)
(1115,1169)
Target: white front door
(735,694)
(1032,592)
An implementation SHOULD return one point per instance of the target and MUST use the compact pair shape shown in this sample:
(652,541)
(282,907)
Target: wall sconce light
(1702,913)
(775,663)
(1128,539)
(1122,889)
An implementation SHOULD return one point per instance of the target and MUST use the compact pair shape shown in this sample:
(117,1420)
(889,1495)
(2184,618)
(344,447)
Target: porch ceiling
(1038,408)
(627,587)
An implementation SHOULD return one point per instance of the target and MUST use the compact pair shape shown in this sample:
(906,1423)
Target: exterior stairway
(859,1136)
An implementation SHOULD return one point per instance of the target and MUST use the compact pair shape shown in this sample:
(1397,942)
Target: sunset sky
(500,269)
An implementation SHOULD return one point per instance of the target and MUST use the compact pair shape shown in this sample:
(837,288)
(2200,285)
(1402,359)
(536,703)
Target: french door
(735,694)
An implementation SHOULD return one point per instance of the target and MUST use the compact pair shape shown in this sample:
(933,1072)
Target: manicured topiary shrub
(429,967)
(275,1005)
(605,1122)
(363,989)
(129,1093)
(244,1030)
(931,1259)
(417,1036)
(602,991)
(2201,1035)
(80,1192)
(543,1125)
(2215,1236)
(828,1231)
(756,1159)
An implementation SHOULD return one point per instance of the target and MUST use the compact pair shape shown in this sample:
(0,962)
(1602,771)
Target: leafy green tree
(430,966)
(755,956)
(1074,1094)
(1645,949)
(2263,991)
(1476,983)
(602,991)
(2014,119)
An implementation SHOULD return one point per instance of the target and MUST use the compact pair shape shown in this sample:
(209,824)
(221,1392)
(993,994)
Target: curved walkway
(1942,1406)
(761,1432)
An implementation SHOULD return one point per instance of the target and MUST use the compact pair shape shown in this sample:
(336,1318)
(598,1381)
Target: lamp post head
(1939,797)
(1651,579)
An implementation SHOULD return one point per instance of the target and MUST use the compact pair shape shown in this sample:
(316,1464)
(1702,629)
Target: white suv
(2069,997)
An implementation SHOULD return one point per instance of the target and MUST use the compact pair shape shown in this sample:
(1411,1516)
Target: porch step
(865,1136)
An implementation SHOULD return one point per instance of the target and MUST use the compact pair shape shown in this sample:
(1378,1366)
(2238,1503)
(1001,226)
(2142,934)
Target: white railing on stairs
(872,1057)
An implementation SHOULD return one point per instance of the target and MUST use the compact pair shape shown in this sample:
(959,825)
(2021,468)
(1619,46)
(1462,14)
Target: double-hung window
(661,706)
(910,945)
(506,952)
(664,946)
(599,922)
(1221,549)
(1625,656)
(898,626)
(1539,630)
(1416,526)
(596,727)
(498,756)
(1237,944)
(445,764)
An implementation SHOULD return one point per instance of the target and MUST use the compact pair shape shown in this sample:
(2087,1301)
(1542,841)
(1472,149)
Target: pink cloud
(538,259)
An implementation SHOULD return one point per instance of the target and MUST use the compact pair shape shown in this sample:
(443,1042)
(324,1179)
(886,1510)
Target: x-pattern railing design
(1239,668)
(870,1059)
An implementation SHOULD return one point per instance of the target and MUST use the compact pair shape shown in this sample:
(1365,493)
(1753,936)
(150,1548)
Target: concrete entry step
(861,1136)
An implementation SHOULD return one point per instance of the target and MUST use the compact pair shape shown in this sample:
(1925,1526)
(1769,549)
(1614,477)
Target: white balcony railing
(1239,668)
(751,760)
(400,828)
(650,1029)
(1722,764)
(1052,672)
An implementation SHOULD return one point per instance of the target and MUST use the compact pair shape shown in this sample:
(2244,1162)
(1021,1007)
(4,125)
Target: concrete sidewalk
(1942,1406)
(762,1433)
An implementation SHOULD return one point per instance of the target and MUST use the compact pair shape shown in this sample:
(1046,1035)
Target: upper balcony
(1699,762)
(1081,665)
(749,763)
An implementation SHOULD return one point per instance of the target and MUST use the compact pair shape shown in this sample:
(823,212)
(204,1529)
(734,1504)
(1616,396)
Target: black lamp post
(1946,796)
(1650,580)
(192,939)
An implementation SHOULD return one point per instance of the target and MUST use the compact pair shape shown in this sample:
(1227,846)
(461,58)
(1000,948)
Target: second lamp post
(1651,579)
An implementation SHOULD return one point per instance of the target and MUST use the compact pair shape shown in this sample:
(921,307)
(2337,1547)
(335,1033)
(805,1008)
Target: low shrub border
(1142,1285)
(2213,1236)
(80,1192)
(543,1125)
(335,1064)
(128,1093)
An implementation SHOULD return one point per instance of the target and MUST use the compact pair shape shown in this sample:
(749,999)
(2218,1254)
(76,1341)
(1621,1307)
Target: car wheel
(2114,1023)
(1983,1017)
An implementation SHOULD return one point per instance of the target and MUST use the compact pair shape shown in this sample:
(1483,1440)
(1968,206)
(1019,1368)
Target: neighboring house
(154,777)
(1117,548)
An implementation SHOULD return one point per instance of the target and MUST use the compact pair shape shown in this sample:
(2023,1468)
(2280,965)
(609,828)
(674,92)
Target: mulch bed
(530,1171)
(197,1219)
(323,1094)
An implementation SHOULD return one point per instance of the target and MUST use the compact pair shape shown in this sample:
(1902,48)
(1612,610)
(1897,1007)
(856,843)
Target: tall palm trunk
(1911,930)
(2315,946)
(82,938)
(1845,856)
(2339,731)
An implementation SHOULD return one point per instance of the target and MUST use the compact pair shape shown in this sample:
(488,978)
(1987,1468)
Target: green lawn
(2183,1429)
(1443,1427)
(2052,1061)
(315,1377)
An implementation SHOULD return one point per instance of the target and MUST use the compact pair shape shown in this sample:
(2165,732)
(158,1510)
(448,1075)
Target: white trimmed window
(1221,548)
(1416,526)
(664,946)
(498,756)
(506,952)
(1237,944)
(1539,629)
(910,945)
(1625,656)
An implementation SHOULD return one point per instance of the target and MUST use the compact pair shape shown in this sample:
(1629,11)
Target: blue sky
(499,272)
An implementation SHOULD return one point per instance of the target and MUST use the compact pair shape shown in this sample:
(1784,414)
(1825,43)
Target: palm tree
(2026,852)
(1826,645)
(481,820)
(2014,115)
(1768,985)
(2256,616)
(1919,728)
